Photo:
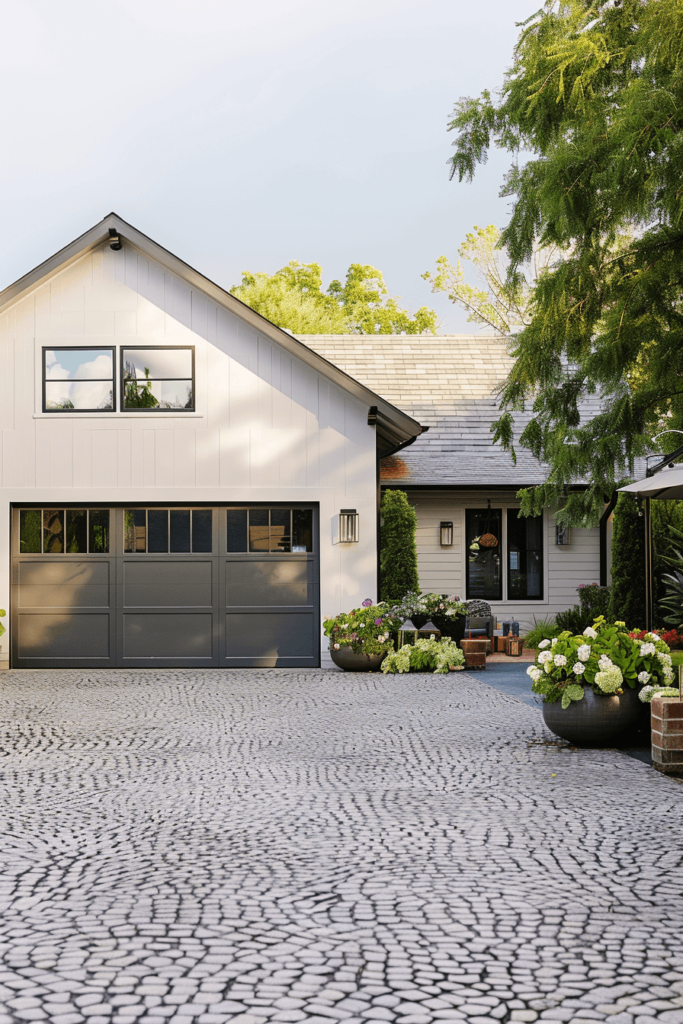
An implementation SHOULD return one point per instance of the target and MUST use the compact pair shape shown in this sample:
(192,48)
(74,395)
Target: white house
(463,486)
(173,469)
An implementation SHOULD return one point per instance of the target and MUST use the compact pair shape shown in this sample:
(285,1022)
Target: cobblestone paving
(309,846)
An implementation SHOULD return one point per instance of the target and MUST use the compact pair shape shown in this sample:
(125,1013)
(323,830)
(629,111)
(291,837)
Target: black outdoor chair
(479,626)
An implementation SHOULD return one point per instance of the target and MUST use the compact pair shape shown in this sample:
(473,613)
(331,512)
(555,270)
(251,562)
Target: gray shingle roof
(447,383)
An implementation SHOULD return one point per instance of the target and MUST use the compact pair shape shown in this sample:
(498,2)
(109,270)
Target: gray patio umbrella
(664,484)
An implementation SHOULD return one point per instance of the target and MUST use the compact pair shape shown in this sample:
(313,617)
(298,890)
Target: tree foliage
(627,592)
(293,298)
(504,303)
(595,96)
(398,554)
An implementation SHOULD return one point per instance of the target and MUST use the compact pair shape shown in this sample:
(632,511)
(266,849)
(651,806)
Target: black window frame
(81,348)
(156,348)
(491,513)
(541,553)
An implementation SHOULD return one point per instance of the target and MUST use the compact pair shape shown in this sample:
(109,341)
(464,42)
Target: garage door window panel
(158,379)
(161,531)
(78,380)
(276,531)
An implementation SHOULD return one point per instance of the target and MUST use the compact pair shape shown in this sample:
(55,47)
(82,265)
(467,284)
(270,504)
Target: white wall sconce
(446,532)
(563,535)
(348,526)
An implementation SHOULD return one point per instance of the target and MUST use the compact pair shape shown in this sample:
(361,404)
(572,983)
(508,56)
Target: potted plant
(447,613)
(590,683)
(361,639)
(437,655)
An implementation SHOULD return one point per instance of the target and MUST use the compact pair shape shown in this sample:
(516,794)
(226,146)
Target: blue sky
(241,136)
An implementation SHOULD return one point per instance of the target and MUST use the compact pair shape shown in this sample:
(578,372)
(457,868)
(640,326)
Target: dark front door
(168,587)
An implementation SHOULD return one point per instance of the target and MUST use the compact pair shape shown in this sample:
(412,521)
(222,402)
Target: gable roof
(395,428)
(448,382)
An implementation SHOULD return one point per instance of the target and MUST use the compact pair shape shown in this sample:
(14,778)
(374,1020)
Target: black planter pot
(450,626)
(347,659)
(594,720)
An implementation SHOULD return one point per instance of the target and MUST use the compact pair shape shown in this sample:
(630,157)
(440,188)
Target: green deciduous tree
(398,554)
(504,302)
(595,97)
(627,593)
(294,298)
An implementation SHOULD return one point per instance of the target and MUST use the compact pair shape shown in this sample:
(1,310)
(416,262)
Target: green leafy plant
(398,554)
(671,604)
(604,657)
(571,621)
(436,655)
(627,600)
(366,630)
(543,629)
(446,613)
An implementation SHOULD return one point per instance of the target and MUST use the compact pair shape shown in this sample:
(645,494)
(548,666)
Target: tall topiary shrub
(398,554)
(627,599)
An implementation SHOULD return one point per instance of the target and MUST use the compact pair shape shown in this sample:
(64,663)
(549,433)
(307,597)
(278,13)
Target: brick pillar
(667,735)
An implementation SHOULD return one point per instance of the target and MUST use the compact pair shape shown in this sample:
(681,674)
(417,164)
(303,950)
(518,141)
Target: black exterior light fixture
(115,242)
(348,526)
(563,535)
(446,533)
(407,633)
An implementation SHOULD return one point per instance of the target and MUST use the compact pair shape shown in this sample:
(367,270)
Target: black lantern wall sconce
(446,533)
(348,526)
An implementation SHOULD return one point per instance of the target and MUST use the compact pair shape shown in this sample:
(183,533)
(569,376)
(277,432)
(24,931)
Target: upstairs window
(78,380)
(157,379)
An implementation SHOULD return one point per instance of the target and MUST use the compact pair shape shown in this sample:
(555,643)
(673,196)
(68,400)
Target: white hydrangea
(579,668)
(664,659)
(589,631)
(668,676)
(646,649)
(531,669)
(584,652)
(544,643)
(643,677)
(560,660)
(651,636)
(554,641)
(609,679)
(544,656)
(605,663)
(646,693)
(536,675)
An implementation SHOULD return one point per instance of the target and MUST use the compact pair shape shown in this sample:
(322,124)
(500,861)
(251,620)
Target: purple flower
(378,622)
(354,636)
(367,603)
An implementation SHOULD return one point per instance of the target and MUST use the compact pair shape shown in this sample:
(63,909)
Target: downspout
(604,518)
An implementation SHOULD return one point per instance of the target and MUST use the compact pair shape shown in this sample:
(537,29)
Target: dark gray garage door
(167,587)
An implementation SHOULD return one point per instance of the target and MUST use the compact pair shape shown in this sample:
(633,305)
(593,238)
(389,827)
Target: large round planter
(347,659)
(593,720)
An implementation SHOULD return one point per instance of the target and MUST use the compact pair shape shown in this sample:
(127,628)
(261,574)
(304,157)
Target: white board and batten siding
(443,569)
(267,427)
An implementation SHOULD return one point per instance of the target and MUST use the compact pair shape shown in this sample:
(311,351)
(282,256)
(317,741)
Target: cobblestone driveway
(287,846)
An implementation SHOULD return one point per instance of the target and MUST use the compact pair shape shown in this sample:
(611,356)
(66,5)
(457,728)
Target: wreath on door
(488,539)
